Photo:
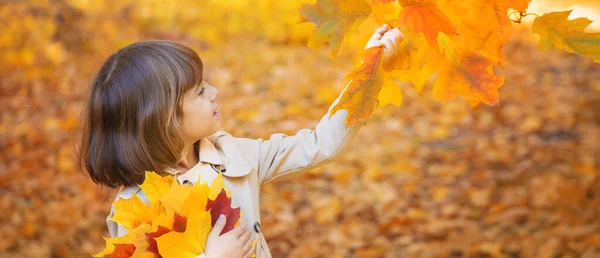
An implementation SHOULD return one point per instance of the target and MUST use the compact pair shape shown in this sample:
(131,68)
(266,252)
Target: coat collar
(208,152)
(235,161)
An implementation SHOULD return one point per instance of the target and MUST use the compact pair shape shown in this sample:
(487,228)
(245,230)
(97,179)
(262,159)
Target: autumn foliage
(175,223)
(428,179)
(459,42)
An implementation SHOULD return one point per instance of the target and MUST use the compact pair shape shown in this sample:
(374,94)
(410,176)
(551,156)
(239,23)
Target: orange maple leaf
(483,25)
(465,72)
(122,251)
(423,16)
(361,94)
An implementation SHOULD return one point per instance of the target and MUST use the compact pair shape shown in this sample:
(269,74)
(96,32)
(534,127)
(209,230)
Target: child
(151,110)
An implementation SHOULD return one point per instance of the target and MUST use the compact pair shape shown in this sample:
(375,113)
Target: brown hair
(131,123)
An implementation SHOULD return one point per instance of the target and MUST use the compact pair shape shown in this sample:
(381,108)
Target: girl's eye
(201,91)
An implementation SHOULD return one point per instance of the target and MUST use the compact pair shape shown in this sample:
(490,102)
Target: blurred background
(428,179)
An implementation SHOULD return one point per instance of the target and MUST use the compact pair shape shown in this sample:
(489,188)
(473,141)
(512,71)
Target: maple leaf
(222,205)
(366,80)
(216,186)
(166,219)
(557,31)
(122,251)
(465,72)
(518,5)
(174,197)
(489,34)
(117,247)
(382,11)
(134,212)
(179,228)
(152,246)
(189,243)
(333,20)
(155,185)
(424,16)
(198,195)
(413,61)
(391,93)
(122,246)
(179,223)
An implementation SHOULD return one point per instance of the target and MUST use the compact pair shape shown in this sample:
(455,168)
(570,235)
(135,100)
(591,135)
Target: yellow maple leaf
(131,245)
(113,242)
(197,197)
(414,62)
(177,221)
(175,197)
(155,185)
(465,72)
(391,93)
(216,186)
(189,243)
(133,212)
(333,20)
(557,31)
(165,219)
(382,12)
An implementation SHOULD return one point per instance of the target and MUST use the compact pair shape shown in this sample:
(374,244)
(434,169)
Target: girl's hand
(235,243)
(388,38)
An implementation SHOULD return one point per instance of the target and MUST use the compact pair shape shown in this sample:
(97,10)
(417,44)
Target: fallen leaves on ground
(423,180)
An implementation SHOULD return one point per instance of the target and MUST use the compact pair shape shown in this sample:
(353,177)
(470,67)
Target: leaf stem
(520,15)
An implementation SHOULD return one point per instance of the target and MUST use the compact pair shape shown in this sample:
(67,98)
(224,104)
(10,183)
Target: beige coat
(250,163)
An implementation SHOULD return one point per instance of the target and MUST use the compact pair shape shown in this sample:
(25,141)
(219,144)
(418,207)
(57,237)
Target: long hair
(132,120)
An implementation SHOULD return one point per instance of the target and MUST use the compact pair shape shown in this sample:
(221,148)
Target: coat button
(257,227)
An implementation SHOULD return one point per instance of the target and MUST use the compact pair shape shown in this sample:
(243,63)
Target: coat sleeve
(282,154)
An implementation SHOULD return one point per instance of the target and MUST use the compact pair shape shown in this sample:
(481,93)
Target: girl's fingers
(393,42)
(216,231)
(383,28)
(247,249)
(393,36)
(250,252)
(376,36)
(395,32)
(380,31)
(244,237)
(237,232)
(388,43)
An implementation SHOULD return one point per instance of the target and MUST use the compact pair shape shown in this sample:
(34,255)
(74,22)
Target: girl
(150,110)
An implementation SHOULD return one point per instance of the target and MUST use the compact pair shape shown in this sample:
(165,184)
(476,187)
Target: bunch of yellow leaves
(176,223)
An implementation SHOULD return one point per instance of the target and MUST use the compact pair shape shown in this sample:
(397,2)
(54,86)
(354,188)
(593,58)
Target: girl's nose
(214,92)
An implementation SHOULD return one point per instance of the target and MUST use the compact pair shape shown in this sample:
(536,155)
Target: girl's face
(201,117)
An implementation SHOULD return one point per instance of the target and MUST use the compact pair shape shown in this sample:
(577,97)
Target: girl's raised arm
(283,154)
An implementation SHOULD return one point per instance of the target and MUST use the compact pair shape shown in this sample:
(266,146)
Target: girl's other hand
(235,243)
(389,38)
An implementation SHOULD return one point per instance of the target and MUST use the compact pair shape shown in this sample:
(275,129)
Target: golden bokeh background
(427,179)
